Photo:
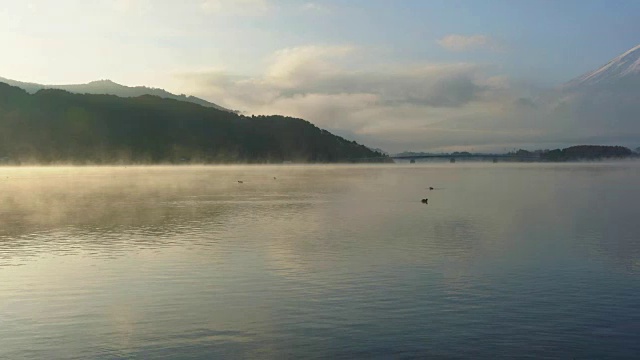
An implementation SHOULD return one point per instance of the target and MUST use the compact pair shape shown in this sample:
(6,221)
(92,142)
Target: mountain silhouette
(622,69)
(58,126)
(108,87)
(603,105)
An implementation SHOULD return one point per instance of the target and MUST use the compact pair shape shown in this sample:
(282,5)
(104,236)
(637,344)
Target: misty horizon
(319,179)
(458,84)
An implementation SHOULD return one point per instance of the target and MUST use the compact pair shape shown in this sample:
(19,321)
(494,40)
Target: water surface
(506,261)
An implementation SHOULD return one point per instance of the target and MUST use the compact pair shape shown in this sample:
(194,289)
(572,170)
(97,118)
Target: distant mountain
(622,69)
(109,87)
(586,152)
(58,126)
(601,106)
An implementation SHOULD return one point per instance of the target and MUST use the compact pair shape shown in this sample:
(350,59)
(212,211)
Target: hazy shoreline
(402,162)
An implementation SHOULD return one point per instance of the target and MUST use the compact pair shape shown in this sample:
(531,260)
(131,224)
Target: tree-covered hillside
(587,152)
(109,87)
(58,126)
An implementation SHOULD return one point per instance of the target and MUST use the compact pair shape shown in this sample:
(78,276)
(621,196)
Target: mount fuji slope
(602,105)
(624,68)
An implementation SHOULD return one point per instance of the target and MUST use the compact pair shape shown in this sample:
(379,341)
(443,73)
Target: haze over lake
(505,261)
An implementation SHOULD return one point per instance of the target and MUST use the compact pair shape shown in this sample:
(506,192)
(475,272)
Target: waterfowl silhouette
(424,201)
(430,188)
(240,182)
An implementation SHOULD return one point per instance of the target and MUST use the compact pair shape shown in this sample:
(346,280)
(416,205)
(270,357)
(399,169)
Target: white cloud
(293,66)
(428,106)
(315,7)
(455,42)
(396,107)
(236,7)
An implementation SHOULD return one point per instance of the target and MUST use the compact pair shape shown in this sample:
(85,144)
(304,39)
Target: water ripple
(324,262)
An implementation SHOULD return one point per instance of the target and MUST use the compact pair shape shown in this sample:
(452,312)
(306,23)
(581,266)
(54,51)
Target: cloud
(456,42)
(315,7)
(321,70)
(297,64)
(328,86)
(396,107)
(236,7)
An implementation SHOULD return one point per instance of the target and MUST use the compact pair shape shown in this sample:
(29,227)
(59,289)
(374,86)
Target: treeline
(57,126)
(580,152)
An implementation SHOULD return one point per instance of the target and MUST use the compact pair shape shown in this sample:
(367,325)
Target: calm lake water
(506,261)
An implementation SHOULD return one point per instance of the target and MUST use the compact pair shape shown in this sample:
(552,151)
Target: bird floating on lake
(240,182)
(430,188)
(424,201)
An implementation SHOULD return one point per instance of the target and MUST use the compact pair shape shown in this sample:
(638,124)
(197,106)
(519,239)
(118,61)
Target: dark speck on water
(326,263)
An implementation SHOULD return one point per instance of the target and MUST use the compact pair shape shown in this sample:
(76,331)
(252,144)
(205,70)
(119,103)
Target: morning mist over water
(320,261)
(319,179)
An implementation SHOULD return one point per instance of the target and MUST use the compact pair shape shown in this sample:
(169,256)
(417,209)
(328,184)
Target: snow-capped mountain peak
(625,65)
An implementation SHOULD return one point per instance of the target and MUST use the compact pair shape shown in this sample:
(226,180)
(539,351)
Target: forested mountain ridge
(108,87)
(57,126)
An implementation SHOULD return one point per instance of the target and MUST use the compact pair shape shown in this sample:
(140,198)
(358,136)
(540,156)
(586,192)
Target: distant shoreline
(570,154)
(318,165)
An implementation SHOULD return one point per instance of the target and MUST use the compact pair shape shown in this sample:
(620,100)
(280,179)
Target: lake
(505,261)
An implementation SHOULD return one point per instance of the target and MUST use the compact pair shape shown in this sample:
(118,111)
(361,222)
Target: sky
(398,75)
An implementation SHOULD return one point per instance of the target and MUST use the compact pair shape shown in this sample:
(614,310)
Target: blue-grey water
(505,261)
